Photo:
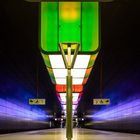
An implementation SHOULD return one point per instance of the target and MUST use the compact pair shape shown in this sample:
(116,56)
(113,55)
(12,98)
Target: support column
(69,106)
(69,64)
(69,97)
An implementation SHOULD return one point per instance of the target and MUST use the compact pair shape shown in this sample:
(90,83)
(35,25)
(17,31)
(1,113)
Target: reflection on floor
(79,134)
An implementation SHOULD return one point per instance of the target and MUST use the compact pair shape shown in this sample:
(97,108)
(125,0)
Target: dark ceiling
(119,56)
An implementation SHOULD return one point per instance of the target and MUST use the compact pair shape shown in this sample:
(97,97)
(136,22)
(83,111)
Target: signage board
(37,101)
(101,101)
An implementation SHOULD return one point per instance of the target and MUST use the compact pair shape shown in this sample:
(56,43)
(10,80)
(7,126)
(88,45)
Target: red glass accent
(75,88)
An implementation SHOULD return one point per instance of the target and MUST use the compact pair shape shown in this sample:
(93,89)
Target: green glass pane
(63,22)
(92,60)
(69,22)
(49,26)
(46,60)
(51,75)
(90,26)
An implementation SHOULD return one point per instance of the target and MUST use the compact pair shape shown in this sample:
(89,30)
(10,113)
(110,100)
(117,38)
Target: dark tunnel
(115,75)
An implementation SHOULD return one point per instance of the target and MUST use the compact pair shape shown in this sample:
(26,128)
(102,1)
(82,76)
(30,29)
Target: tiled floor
(78,134)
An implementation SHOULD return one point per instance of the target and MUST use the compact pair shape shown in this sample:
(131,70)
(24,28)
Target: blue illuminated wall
(15,109)
(122,89)
(127,109)
(123,114)
(20,111)
(14,99)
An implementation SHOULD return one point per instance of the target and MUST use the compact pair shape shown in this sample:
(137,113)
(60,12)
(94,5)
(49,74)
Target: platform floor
(79,134)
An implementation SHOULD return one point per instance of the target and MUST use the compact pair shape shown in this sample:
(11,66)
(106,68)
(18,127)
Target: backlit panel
(75,88)
(49,26)
(75,98)
(67,22)
(82,61)
(62,81)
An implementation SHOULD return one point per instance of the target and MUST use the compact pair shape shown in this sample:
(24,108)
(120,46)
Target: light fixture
(62,81)
(76,73)
(75,88)
(74,98)
(69,24)
(81,62)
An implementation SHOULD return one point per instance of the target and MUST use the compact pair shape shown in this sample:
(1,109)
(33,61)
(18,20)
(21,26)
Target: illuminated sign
(101,101)
(37,101)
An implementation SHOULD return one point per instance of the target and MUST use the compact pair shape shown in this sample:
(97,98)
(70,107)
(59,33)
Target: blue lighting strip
(11,110)
(124,110)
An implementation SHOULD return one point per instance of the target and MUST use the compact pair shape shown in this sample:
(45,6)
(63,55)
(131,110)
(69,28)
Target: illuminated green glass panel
(69,22)
(88,71)
(90,26)
(92,60)
(46,60)
(63,22)
(51,75)
(49,26)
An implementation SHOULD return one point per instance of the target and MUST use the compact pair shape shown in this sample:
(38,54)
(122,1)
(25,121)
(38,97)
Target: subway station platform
(79,134)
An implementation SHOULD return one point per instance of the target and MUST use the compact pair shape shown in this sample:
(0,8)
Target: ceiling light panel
(81,61)
(75,81)
(76,73)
